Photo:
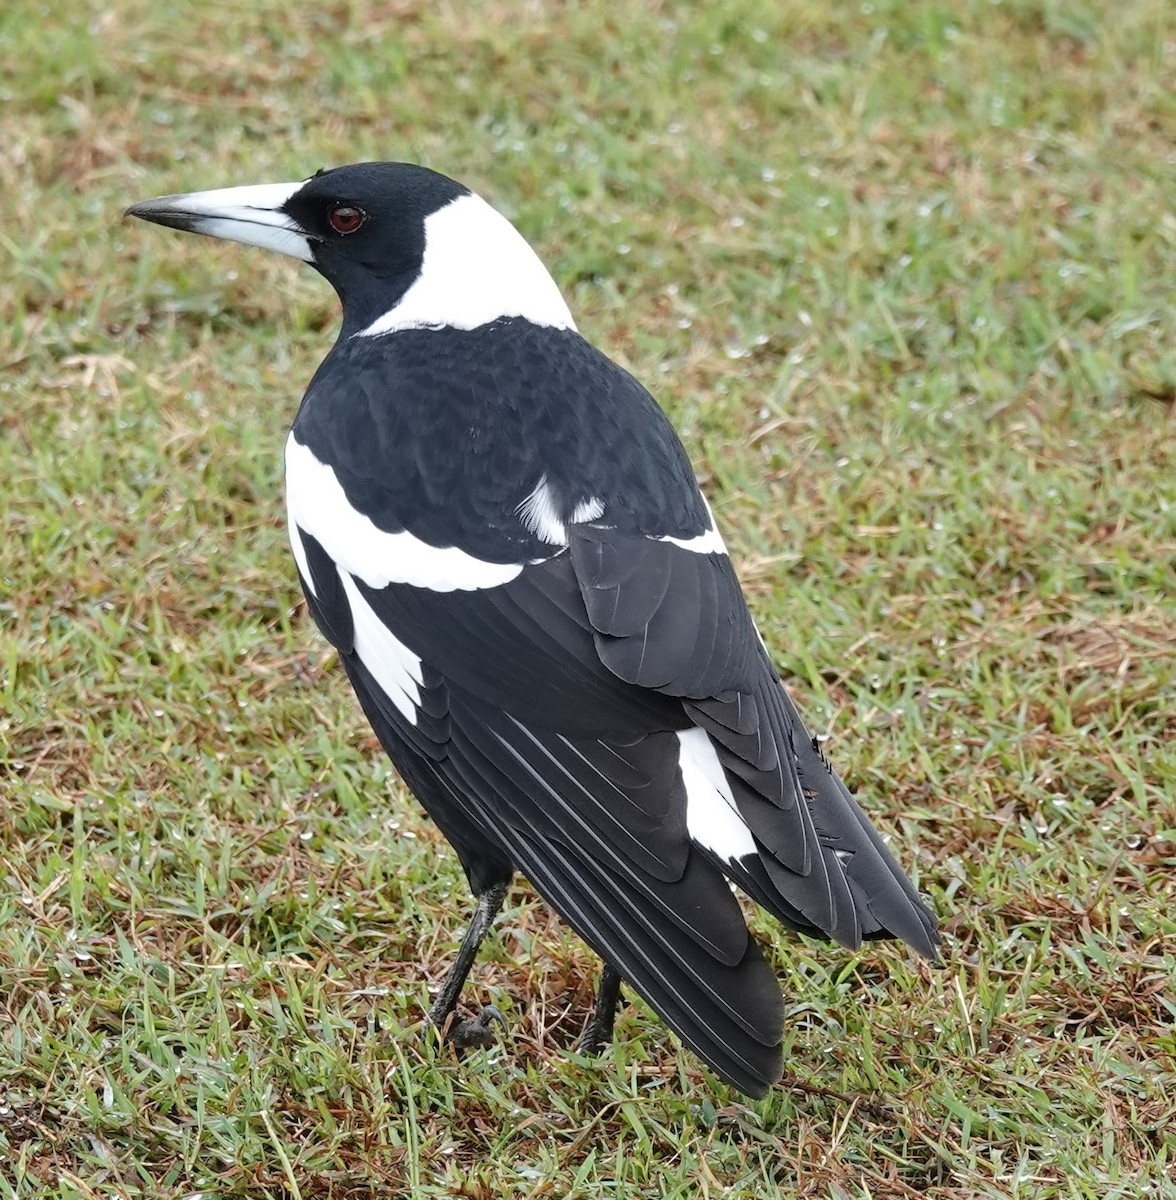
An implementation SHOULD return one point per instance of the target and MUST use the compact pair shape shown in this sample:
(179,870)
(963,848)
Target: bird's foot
(478,1031)
(593,1041)
(599,1033)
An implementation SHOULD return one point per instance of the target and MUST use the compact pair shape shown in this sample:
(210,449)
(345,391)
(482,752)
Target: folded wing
(609,722)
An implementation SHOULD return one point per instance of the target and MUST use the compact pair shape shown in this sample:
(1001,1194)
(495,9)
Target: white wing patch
(316,502)
(392,664)
(708,542)
(587,510)
(477,268)
(712,817)
(299,551)
(540,513)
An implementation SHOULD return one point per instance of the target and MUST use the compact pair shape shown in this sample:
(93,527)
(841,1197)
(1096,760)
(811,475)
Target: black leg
(476,1032)
(600,1025)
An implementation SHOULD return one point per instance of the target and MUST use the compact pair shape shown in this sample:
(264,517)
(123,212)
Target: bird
(499,531)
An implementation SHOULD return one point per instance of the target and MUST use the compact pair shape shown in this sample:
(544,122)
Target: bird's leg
(604,1013)
(476,1032)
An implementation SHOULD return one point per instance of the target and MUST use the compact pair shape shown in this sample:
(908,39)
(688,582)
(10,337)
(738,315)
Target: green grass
(902,273)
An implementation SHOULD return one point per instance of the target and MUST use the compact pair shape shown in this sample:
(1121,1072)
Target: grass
(902,273)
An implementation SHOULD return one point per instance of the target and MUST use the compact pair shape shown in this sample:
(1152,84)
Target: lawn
(902,272)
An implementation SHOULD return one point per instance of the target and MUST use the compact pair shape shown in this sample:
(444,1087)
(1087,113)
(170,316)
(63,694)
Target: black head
(365,223)
(378,231)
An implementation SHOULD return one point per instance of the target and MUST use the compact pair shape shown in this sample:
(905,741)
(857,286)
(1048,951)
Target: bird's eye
(346,218)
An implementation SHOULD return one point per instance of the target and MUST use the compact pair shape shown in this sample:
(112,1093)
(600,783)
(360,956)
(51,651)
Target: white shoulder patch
(477,268)
(712,816)
(316,502)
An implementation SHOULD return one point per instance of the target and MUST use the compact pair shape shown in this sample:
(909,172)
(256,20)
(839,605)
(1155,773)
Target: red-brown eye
(346,218)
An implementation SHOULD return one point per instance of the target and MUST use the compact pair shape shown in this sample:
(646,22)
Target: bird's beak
(253,215)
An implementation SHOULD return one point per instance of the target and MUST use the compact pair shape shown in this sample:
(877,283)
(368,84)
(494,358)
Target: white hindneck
(477,268)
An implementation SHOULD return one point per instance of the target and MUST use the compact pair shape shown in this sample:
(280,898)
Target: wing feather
(545,736)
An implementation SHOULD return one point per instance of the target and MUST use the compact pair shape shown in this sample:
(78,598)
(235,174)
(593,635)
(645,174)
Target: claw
(475,1032)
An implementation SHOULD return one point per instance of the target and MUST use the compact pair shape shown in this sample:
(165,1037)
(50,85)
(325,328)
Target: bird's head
(405,247)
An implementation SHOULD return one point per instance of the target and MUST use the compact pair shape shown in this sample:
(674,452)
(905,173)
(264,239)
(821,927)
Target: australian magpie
(499,531)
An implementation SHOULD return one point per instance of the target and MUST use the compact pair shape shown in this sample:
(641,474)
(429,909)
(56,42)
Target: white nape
(540,513)
(708,542)
(477,268)
(712,816)
(252,215)
(392,664)
(317,503)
